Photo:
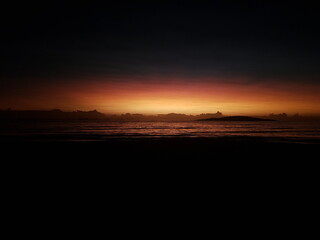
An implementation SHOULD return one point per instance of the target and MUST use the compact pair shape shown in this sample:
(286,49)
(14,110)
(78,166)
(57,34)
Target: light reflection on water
(105,129)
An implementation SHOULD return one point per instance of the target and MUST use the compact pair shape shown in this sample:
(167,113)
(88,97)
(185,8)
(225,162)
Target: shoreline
(125,160)
(162,147)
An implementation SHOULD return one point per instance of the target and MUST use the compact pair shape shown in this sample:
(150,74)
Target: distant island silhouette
(57,114)
(236,118)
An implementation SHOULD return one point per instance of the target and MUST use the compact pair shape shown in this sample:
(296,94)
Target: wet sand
(179,149)
(233,166)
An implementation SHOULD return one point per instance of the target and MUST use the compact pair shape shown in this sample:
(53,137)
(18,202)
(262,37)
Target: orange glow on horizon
(161,96)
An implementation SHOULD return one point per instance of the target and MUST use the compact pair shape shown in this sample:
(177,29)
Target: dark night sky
(257,39)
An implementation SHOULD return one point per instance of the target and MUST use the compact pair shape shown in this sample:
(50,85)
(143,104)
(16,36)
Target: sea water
(97,130)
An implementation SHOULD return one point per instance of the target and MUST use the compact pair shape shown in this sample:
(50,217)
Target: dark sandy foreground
(220,149)
(160,177)
(201,163)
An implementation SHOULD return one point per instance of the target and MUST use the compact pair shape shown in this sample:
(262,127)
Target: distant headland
(57,114)
(236,119)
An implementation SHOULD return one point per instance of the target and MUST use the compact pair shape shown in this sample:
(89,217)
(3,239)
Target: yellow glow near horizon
(162,96)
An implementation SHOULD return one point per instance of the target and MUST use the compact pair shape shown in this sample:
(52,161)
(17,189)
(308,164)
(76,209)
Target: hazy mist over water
(90,130)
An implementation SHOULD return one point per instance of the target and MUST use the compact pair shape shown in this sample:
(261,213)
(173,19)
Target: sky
(150,57)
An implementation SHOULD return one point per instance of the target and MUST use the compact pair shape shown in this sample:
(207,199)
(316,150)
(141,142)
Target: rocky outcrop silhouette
(163,117)
(53,114)
(236,118)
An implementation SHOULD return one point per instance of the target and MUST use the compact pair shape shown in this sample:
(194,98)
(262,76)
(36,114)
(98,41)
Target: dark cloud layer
(261,40)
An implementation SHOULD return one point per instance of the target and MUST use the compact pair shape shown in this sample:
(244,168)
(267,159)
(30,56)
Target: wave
(91,131)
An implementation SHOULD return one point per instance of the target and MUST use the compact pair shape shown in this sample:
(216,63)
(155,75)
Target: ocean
(99,130)
(85,149)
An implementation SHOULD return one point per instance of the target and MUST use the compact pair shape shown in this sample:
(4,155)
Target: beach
(179,141)
(130,170)
(172,148)
(90,148)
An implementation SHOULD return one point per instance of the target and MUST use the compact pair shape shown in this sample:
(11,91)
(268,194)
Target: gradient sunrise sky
(161,56)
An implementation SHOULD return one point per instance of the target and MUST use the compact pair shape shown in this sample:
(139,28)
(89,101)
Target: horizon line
(177,113)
